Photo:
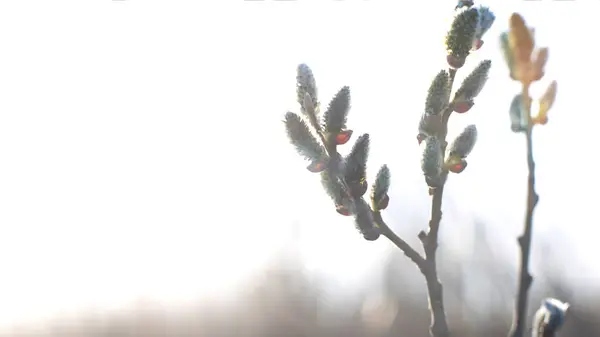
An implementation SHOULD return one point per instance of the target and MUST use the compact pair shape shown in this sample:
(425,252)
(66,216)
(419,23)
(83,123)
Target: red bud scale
(343,137)
(316,166)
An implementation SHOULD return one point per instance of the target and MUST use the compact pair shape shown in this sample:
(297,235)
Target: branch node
(422,236)
(521,240)
(527,280)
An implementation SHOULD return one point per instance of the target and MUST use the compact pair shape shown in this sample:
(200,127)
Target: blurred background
(147,187)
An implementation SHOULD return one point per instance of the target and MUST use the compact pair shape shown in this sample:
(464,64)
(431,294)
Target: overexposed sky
(142,148)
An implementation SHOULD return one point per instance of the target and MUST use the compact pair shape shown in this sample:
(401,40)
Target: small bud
(421,137)
(379,196)
(477,44)
(486,20)
(358,188)
(519,43)
(520,39)
(508,55)
(546,102)
(550,317)
(539,63)
(383,202)
(462,145)
(343,210)
(464,3)
(540,120)
(343,137)
(519,119)
(317,166)
(455,62)
(455,164)
(462,107)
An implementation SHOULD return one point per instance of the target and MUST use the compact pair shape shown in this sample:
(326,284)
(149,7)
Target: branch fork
(344,179)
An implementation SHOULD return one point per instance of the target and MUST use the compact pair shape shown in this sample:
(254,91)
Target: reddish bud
(343,137)
(383,202)
(421,137)
(316,166)
(462,107)
(343,210)
(455,62)
(541,120)
(477,44)
(458,167)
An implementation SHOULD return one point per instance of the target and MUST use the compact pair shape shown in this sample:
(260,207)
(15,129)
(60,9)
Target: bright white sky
(142,149)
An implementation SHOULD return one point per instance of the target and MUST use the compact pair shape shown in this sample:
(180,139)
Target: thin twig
(410,252)
(428,265)
(439,324)
(525,279)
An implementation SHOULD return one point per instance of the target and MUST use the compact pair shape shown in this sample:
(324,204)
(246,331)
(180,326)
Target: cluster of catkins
(317,136)
(464,37)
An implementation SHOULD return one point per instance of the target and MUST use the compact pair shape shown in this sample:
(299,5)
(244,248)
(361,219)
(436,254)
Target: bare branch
(525,279)
(429,239)
(410,252)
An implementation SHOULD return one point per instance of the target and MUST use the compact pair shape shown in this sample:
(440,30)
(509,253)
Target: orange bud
(458,167)
(520,39)
(539,63)
(541,120)
(316,166)
(546,102)
(462,107)
(343,137)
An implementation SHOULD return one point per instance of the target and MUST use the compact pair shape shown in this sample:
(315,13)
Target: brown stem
(525,279)
(439,324)
(410,252)
(428,264)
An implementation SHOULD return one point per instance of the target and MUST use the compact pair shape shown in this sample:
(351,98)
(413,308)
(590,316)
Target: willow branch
(525,279)
(410,252)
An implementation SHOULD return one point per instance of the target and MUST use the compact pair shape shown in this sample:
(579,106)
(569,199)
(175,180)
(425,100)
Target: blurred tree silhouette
(282,301)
